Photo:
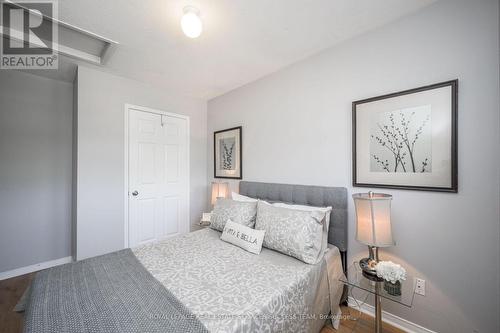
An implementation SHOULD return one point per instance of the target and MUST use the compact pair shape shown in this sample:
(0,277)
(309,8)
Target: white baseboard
(389,318)
(34,268)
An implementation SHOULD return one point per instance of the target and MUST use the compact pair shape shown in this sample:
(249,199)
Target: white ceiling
(242,40)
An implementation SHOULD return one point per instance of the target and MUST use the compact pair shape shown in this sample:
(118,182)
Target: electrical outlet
(420,286)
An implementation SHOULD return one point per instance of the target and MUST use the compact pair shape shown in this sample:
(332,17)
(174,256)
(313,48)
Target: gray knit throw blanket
(105,294)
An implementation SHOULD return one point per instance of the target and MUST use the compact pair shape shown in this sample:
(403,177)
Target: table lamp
(373,226)
(220,190)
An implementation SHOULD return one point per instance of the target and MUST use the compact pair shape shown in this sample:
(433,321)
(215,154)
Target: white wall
(35,169)
(100,155)
(297,129)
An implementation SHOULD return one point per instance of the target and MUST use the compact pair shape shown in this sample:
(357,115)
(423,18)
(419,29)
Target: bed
(211,285)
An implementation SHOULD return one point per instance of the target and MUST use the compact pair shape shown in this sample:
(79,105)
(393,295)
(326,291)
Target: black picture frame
(240,147)
(453,188)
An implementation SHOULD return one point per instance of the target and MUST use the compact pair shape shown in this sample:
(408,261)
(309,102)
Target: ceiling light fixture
(191,22)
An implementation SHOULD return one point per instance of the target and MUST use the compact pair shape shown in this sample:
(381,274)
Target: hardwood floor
(11,322)
(11,291)
(357,322)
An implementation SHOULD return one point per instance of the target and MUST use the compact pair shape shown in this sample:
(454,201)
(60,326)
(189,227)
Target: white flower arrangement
(390,271)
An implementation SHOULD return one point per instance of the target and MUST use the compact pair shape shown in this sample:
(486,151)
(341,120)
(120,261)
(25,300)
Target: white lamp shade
(373,219)
(219,190)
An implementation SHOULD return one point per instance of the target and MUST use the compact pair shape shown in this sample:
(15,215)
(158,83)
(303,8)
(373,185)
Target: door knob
(135,193)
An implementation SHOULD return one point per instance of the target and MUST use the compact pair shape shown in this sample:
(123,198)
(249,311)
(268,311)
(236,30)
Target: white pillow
(247,238)
(326,224)
(326,210)
(242,198)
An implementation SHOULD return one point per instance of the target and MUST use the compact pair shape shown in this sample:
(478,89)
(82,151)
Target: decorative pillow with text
(247,238)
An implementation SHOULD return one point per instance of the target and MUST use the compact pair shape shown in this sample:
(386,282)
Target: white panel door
(158,177)
(174,190)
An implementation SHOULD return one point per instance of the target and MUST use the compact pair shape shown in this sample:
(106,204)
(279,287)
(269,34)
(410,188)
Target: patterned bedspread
(231,290)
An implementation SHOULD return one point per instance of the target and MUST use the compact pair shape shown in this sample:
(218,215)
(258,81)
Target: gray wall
(35,169)
(297,129)
(100,156)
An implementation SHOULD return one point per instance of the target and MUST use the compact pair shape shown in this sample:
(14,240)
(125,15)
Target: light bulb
(191,22)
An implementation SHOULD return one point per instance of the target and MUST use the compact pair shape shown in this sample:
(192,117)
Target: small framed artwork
(407,140)
(228,154)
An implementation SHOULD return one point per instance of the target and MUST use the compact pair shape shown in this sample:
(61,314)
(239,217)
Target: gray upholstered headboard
(319,196)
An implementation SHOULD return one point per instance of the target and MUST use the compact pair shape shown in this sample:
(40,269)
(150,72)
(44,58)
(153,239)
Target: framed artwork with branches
(228,153)
(407,140)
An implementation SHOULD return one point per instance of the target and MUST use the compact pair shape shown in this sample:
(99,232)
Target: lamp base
(368,265)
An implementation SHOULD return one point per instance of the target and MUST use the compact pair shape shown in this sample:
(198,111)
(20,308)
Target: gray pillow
(236,211)
(293,232)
